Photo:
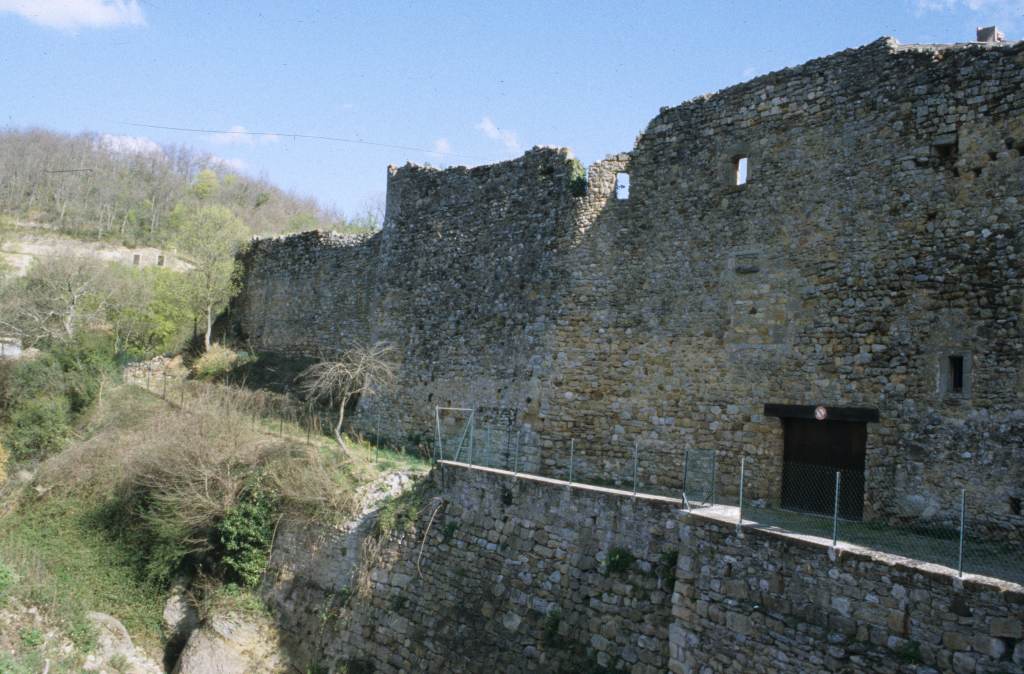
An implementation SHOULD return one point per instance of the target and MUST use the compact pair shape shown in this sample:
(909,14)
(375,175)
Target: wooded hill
(127,190)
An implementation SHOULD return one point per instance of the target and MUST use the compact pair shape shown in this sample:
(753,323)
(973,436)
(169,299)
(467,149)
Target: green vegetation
(143,312)
(399,514)
(131,192)
(219,361)
(550,637)
(245,534)
(41,397)
(619,560)
(577,178)
(150,488)
(64,562)
(209,236)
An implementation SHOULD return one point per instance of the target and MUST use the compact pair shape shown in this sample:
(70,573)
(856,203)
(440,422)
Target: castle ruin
(845,234)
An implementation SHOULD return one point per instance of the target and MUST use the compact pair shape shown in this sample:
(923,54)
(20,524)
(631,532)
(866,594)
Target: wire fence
(273,413)
(812,500)
(809,499)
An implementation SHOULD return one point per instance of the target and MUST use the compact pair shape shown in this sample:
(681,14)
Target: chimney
(990,34)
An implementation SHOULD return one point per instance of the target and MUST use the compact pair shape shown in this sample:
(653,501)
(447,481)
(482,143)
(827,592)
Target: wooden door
(814,451)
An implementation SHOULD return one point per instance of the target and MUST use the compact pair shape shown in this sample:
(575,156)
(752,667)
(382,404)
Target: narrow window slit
(739,170)
(956,374)
(622,186)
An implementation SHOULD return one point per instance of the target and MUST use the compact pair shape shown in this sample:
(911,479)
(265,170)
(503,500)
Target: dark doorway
(814,452)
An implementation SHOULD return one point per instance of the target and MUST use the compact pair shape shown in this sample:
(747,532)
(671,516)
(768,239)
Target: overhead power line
(336,139)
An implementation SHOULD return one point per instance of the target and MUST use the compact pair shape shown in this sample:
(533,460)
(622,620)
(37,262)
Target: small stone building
(819,267)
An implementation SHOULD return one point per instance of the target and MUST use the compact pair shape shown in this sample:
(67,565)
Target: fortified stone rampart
(872,260)
(512,574)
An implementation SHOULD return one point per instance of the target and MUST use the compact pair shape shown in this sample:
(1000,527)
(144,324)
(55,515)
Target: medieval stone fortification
(870,264)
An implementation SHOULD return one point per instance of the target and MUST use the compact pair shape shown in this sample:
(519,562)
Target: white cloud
(442,146)
(130,144)
(234,164)
(239,135)
(74,14)
(1014,6)
(506,137)
(1004,13)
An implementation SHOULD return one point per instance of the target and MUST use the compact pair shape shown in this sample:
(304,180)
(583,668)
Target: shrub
(245,535)
(619,560)
(38,427)
(85,361)
(217,362)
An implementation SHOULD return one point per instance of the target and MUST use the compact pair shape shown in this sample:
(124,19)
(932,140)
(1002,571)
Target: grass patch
(66,565)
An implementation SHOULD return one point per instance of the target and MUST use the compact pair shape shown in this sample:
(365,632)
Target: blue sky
(481,81)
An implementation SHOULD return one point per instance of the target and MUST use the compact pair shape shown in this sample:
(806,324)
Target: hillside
(101,187)
(107,524)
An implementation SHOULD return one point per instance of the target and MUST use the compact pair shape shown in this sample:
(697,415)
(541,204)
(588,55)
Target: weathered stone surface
(231,643)
(878,234)
(444,600)
(180,616)
(114,647)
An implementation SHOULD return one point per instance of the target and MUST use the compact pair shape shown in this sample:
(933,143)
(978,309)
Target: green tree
(206,184)
(208,238)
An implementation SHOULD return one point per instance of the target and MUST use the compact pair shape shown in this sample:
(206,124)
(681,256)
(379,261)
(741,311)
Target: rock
(232,644)
(511,621)
(114,643)
(180,617)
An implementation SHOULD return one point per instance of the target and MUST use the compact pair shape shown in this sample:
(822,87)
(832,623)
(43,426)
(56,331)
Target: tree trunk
(341,420)
(209,326)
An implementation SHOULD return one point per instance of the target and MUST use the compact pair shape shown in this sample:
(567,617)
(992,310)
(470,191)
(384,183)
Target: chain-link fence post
(714,470)
(636,460)
(572,452)
(739,515)
(515,461)
(963,511)
(835,512)
(686,469)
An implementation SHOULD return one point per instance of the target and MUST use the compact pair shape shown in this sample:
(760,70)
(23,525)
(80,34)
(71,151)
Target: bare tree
(359,370)
(58,296)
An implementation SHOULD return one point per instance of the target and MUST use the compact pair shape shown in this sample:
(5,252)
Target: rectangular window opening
(622,186)
(160,261)
(740,170)
(136,259)
(956,374)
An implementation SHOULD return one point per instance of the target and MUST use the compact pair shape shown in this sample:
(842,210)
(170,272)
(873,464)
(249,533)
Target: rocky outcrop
(233,643)
(115,651)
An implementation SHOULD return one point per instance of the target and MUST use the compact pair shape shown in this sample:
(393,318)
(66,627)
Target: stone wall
(878,234)
(772,602)
(513,574)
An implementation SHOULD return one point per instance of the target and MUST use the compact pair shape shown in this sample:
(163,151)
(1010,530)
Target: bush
(38,426)
(217,362)
(245,535)
(40,397)
(85,362)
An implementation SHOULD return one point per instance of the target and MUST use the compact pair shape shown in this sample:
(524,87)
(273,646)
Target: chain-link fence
(828,503)
(810,499)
